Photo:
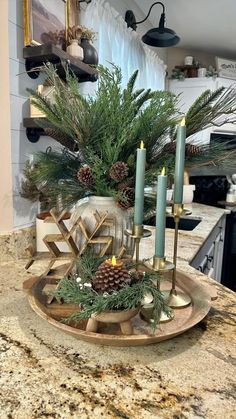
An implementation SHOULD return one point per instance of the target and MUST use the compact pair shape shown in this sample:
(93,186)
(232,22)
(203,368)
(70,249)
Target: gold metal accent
(161,264)
(177,210)
(137,233)
(146,313)
(174,299)
(28,22)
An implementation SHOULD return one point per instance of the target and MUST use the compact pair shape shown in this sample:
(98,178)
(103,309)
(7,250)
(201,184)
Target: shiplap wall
(24,210)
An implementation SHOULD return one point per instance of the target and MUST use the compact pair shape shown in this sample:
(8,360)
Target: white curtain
(117,44)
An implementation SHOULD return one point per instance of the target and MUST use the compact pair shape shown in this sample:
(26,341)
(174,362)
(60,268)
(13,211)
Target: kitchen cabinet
(190,89)
(209,258)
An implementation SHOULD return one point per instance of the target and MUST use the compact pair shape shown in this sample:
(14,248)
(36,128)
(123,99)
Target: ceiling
(205,25)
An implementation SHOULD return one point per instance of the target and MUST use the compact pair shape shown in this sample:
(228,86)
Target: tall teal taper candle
(161,215)
(139,184)
(179,163)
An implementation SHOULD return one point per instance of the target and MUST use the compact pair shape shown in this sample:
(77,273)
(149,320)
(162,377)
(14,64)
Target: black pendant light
(161,37)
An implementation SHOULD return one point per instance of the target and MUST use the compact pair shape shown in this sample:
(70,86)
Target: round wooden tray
(184,319)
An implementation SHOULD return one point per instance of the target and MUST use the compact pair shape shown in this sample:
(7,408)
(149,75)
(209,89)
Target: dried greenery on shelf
(103,132)
(80,31)
(127,297)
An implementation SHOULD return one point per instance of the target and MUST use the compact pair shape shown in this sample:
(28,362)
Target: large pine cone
(128,200)
(190,149)
(110,277)
(119,171)
(85,176)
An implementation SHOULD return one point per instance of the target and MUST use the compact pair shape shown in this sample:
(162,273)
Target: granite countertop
(45,373)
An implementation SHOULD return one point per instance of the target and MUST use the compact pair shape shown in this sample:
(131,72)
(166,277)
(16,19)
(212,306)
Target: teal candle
(179,163)
(139,184)
(161,215)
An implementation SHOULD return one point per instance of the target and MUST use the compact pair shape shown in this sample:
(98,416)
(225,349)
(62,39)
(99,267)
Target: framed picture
(226,68)
(45,21)
(72,13)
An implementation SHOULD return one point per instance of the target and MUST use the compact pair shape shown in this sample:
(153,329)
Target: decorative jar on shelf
(112,231)
(90,53)
(75,49)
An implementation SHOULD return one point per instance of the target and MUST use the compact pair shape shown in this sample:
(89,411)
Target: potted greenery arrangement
(100,135)
(110,291)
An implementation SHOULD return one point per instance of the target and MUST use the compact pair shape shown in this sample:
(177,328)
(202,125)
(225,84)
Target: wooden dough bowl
(110,334)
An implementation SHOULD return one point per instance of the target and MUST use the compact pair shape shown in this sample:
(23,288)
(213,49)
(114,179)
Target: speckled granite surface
(44,373)
(13,245)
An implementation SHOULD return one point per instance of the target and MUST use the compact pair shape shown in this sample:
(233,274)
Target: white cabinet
(209,257)
(188,91)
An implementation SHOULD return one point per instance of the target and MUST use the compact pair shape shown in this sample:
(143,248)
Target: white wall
(23,210)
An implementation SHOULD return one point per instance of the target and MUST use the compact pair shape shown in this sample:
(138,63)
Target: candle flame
(163,172)
(142,145)
(113,261)
(182,123)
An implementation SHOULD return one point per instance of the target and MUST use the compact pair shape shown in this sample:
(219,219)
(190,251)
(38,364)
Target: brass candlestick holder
(174,299)
(159,265)
(137,233)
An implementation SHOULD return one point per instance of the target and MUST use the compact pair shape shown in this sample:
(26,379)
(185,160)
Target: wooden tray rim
(131,340)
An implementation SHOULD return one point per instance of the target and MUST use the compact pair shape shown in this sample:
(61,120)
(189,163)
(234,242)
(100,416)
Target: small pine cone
(170,147)
(128,200)
(119,171)
(127,183)
(192,150)
(85,176)
(110,277)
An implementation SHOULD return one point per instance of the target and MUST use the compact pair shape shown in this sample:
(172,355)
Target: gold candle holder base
(178,210)
(160,265)
(176,300)
(138,233)
(146,314)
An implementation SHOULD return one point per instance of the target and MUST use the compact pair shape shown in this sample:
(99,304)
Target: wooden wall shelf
(189,71)
(36,56)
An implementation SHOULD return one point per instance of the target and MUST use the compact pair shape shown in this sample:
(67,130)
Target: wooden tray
(185,318)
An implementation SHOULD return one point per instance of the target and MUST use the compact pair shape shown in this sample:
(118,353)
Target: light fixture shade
(160,37)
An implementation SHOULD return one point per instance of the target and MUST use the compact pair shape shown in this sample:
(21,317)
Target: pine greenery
(108,128)
(127,298)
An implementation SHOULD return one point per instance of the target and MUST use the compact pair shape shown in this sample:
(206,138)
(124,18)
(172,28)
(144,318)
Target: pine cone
(128,200)
(127,183)
(170,147)
(85,176)
(119,171)
(110,277)
(192,150)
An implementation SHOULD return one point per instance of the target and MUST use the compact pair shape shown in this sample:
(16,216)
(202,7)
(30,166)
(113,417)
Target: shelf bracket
(33,134)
